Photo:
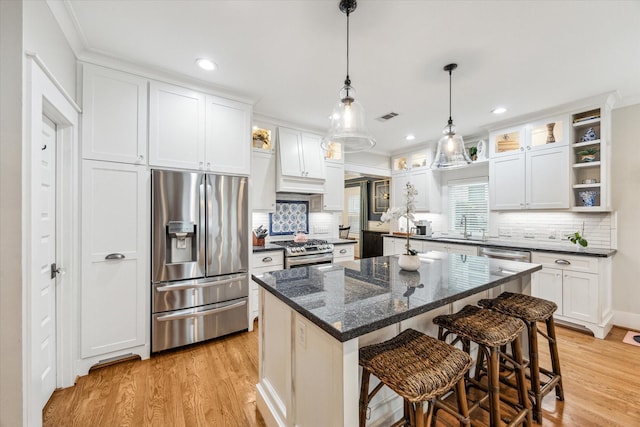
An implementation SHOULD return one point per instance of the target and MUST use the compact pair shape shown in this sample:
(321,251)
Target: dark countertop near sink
(353,298)
(534,245)
(271,247)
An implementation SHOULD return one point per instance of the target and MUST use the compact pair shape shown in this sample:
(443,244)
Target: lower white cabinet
(114,290)
(262,262)
(344,252)
(579,285)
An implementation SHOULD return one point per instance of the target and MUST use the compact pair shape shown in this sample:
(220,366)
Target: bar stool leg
(522,380)
(534,366)
(555,359)
(364,398)
(463,406)
(493,384)
(419,414)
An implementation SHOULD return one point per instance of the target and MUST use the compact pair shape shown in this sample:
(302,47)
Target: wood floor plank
(213,384)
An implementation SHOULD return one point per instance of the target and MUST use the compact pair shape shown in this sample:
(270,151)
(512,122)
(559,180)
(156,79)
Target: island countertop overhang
(350,299)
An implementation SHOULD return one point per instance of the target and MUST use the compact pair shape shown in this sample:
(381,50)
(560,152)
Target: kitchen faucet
(463,222)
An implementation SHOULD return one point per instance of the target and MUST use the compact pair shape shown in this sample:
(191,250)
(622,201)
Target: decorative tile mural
(290,216)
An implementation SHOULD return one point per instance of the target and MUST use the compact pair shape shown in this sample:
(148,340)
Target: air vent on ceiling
(387,116)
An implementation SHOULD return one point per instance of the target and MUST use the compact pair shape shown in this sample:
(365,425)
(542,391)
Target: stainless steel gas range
(311,252)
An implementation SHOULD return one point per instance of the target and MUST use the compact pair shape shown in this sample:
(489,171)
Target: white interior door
(45,283)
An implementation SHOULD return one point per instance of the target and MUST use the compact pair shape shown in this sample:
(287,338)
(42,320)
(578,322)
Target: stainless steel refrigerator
(200,257)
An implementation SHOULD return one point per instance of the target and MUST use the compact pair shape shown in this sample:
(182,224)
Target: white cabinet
(262,262)
(191,130)
(176,126)
(228,136)
(332,198)
(414,168)
(300,162)
(263,178)
(344,252)
(530,180)
(114,116)
(114,292)
(579,285)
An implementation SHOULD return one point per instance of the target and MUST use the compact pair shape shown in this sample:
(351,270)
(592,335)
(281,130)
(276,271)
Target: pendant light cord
(450,119)
(347,81)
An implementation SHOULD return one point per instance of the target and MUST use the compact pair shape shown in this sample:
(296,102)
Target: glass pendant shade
(347,125)
(450,152)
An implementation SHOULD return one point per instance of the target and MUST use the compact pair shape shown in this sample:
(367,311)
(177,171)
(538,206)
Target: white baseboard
(626,320)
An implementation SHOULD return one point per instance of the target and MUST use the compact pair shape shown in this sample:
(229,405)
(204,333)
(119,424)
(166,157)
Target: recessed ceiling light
(499,110)
(206,64)
(410,137)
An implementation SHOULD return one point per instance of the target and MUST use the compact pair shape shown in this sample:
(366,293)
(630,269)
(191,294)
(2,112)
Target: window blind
(469,199)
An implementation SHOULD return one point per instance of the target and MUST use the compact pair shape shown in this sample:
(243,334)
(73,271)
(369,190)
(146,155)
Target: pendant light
(450,152)
(347,119)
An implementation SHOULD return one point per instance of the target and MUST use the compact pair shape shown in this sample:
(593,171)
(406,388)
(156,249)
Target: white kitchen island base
(309,377)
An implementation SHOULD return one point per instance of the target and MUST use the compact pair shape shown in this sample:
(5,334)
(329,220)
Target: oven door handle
(192,285)
(170,317)
(309,259)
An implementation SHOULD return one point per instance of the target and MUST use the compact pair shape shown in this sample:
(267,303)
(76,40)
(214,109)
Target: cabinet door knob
(521,148)
(208,165)
(201,165)
(528,147)
(140,158)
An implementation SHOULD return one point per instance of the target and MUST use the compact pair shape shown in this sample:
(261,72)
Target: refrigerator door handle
(169,317)
(202,232)
(191,285)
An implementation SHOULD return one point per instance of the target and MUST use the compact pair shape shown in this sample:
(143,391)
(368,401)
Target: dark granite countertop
(268,247)
(533,245)
(272,247)
(353,298)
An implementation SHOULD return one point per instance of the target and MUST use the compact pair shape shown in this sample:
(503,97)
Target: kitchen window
(468,201)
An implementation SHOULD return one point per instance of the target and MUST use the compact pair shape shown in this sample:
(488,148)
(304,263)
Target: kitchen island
(314,319)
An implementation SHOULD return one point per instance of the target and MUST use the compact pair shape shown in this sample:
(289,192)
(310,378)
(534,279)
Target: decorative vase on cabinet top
(409,262)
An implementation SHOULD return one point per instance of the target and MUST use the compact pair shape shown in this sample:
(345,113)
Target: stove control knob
(302,249)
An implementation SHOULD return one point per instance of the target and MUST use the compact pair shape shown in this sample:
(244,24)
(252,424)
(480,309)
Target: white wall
(43,36)
(625,179)
(11,318)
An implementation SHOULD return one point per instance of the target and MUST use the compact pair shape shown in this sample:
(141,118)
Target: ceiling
(289,57)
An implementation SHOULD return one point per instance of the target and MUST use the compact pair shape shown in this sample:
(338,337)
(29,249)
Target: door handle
(115,256)
(267,259)
(169,317)
(562,262)
(55,270)
(191,285)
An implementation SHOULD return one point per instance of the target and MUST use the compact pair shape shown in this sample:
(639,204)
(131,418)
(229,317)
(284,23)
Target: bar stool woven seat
(524,307)
(492,331)
(533,310)
(418,368)
(482,326)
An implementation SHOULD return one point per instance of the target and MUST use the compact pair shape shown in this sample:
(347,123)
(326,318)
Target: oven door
(307,260)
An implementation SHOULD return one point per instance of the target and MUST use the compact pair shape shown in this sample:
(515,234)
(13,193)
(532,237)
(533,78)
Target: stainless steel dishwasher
(516,285)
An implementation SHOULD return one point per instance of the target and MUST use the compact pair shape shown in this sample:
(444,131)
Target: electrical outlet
(301,334)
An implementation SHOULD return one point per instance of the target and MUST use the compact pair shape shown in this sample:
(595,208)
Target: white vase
(409,262)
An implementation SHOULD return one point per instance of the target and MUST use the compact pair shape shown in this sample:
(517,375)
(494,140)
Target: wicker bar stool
(492,331)
(532,310)
(420,369)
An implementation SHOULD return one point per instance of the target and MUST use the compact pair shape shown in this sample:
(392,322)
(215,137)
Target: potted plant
(578,239)
(409,260)
(473,153)
(588,154)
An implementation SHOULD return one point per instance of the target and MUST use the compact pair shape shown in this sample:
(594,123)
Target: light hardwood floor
(214,385)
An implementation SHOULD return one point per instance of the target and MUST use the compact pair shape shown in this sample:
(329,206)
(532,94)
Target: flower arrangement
(406,211)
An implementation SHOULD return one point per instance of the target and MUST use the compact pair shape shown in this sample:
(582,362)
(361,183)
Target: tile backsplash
(321,225)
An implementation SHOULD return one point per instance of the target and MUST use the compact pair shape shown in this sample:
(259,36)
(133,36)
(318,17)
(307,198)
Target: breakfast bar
(314,319)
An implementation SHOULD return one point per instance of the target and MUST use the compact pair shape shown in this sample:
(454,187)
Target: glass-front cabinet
(541,134)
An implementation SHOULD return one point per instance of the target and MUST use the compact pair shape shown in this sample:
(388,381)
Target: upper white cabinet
(191,130)
(114,118)
(114,292)
(227,136)
(176,126)
(414,168)
(332,198)
(529,167)
(263,178)
(300,162)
